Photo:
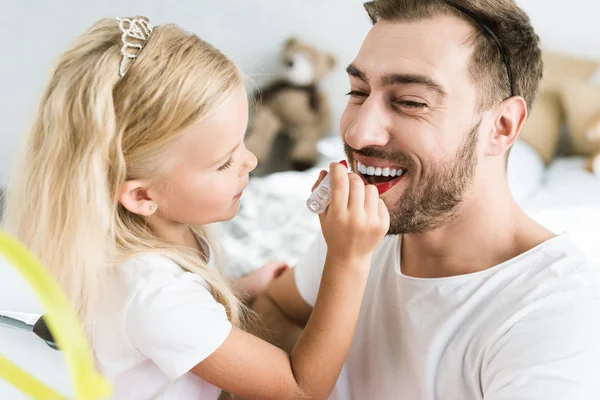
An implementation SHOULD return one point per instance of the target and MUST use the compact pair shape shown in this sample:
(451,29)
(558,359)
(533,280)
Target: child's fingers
(280,270)
(339,187)
(322,175)
(371,201)
(356,197)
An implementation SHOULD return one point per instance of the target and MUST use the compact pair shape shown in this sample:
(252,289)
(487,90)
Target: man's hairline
(469,43)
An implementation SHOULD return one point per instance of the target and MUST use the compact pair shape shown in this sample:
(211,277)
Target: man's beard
(434,201)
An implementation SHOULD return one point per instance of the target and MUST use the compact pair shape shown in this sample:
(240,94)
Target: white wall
(34,32)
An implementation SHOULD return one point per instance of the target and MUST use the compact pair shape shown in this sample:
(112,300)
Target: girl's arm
(244,365)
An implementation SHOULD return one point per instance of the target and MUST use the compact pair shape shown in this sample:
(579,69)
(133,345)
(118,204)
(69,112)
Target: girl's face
(207,168)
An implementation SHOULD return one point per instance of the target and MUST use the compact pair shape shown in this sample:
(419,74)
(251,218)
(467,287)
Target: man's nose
(370,127)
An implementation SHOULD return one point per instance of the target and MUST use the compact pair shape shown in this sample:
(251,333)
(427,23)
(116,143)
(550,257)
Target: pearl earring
(152,207)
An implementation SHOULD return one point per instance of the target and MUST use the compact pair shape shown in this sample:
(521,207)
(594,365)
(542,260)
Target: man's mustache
(396,157)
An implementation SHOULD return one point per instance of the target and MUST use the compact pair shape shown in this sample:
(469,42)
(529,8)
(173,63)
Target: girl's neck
(176,233)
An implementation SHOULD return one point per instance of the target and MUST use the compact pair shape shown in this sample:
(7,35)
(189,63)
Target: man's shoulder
(565,266)
(551,279)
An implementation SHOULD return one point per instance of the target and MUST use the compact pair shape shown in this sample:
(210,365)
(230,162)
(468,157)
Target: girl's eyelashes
(226,165)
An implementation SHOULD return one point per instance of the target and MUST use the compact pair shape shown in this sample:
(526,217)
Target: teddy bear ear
(292,41)
(331,61)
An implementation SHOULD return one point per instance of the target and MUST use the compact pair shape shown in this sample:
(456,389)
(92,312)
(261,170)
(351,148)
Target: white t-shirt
(157,322)
(527,329)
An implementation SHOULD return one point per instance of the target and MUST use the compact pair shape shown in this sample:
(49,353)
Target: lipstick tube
(321,197)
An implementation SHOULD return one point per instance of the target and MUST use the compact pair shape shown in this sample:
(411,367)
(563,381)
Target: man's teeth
(377,171)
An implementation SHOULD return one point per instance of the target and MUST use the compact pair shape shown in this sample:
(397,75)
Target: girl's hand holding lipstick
(356,220)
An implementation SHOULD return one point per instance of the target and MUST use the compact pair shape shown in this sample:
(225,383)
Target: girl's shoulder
(163,312)
(151,271)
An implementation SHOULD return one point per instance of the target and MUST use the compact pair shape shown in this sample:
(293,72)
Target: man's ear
(509,120)
(134,196)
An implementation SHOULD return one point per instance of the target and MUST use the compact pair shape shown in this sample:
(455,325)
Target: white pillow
(525,172)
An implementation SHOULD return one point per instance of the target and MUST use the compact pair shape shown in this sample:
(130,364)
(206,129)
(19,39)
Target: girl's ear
(134,196)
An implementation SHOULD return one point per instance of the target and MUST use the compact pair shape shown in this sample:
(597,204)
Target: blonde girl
(137,147)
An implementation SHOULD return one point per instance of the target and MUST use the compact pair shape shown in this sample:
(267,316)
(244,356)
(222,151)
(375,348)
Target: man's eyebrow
(352,70)
(400,79)
(418,79)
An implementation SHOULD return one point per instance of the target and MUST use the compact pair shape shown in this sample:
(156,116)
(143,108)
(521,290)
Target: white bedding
(274,223)
(569,199)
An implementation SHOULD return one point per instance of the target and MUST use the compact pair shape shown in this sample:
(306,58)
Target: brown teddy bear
(293,105)
(567,99)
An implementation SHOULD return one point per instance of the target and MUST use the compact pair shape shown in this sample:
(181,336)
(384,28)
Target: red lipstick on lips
(382,187)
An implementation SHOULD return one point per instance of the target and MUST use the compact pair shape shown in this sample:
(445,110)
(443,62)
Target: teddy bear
(568,101)
(293,105)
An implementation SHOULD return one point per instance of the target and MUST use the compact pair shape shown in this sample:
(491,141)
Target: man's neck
(487,230)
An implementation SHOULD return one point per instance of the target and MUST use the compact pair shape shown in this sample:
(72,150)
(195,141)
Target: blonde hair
(94,131)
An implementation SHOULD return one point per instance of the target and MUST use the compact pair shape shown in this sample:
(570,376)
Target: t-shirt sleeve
(551,354)
(308,271)
(175,321)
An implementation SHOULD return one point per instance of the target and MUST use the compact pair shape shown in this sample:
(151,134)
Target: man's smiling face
(412,122)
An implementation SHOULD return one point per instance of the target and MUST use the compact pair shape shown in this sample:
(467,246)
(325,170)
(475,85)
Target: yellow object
(25,382)
(64,326)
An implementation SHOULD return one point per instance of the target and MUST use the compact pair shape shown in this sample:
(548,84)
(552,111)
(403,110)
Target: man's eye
(411,104)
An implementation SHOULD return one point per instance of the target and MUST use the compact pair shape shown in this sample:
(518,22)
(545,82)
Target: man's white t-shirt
(157,321)
(527,329)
